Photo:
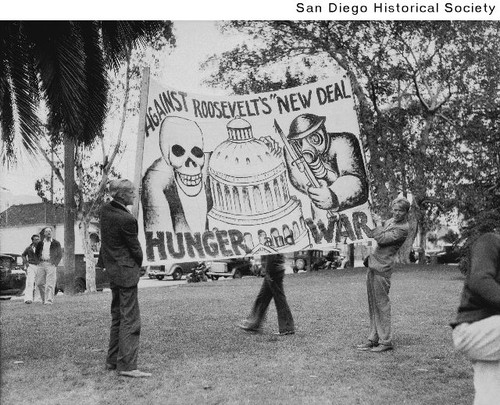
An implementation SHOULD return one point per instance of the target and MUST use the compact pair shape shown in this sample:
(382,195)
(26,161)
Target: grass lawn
(56,354)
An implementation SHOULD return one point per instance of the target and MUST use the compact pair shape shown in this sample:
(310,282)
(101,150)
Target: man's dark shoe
(382,348)
(248,326)
(367,346)
(134,374)
(284,333)
(110,366)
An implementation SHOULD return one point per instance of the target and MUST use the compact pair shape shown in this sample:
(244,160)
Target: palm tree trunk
(69,215)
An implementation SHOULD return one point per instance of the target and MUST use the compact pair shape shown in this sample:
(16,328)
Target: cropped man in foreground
(121,255)
(476,330)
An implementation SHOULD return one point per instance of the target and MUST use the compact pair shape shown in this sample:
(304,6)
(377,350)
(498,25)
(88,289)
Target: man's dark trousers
(125,328)
(272,287)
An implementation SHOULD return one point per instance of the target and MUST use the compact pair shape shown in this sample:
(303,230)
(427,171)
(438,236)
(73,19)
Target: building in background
(18,222)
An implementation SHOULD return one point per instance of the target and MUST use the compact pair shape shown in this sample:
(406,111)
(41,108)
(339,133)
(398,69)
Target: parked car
(449,254)
(312,260)
(175,270)
(12,274)
(101,277)
(335,259)
(305,260)
(235,268)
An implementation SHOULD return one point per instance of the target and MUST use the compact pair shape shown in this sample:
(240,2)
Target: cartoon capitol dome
(250,192)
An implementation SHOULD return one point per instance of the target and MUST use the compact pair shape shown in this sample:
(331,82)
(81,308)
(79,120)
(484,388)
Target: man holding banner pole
(389,237)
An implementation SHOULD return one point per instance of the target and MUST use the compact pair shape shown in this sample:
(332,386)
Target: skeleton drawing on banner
(335,161)
(173,187)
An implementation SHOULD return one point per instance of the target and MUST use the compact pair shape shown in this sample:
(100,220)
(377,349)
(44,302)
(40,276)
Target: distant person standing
(121,256)
(49,253)
(272,288)
(389,237)
(30,261)
(476,331)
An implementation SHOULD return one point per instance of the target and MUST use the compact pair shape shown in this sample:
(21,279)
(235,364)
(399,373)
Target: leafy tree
(450,237)
(426,93)
(64,64)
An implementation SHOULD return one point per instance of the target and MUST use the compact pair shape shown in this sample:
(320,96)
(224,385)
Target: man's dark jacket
(29,255)
(121,253)
(481,293)
(55,251)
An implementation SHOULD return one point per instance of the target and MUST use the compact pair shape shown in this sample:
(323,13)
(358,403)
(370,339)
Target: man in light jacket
(389,237)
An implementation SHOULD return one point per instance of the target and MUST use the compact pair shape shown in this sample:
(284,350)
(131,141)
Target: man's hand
(377,219)
(273,146)
(322,197)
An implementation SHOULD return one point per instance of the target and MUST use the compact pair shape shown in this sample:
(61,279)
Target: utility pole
(52,172)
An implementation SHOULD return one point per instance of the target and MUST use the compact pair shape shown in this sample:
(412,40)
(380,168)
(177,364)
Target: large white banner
(244,175)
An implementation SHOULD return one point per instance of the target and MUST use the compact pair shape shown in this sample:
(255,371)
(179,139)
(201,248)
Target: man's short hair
(34,236)
(402,202)
(116,187)
(42,232)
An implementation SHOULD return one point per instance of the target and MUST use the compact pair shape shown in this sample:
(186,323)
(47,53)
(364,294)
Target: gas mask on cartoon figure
(181,143)
(313,147)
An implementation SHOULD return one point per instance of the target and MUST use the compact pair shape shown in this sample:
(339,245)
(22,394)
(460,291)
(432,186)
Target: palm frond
(60,56)
(96,81)
(18,92)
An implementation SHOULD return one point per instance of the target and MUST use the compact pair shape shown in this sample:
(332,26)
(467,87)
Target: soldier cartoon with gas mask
(335,160)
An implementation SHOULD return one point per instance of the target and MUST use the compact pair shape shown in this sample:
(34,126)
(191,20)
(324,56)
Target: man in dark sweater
(30,262)
(476,331)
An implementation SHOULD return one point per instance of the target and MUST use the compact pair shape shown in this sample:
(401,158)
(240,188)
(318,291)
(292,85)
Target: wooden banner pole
(141,135)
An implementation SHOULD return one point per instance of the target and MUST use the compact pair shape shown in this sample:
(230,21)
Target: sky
(195,41)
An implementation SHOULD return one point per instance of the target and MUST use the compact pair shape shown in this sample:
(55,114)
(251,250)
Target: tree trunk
(69,215)
(421,254)
(90,261)
(404,251)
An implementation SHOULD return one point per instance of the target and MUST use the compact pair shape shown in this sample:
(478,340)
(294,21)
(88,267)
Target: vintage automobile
(335,259)
(235,268)
(101,277)
(312,260)
(449,254)
(304,260)
(174,270)
(12,275)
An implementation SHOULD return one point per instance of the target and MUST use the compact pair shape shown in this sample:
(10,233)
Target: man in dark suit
(272,288)
(121,255)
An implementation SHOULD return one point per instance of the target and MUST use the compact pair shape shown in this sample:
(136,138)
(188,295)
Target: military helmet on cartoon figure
(305,125)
